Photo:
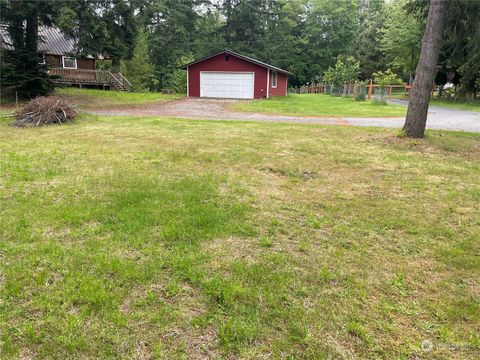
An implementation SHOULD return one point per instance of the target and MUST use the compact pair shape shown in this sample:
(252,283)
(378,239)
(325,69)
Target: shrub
(344,72)
(44,110)
(387,78)
(361,96)
(361,92)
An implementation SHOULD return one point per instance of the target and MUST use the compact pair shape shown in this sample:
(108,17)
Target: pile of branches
(45,110)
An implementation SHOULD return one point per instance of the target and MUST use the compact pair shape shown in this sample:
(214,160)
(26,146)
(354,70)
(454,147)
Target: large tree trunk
(425,74)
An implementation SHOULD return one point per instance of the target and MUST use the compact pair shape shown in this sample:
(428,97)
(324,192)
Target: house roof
(52,41)
(240,56)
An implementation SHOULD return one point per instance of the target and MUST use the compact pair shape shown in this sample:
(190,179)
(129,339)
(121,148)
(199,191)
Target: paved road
(438,117)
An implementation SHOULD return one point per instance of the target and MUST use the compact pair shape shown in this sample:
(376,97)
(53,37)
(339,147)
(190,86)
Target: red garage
(231,75)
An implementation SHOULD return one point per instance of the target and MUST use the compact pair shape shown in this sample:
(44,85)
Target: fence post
(355,89)
(370,88)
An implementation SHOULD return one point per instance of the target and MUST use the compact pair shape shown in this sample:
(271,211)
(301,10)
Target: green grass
(162,238)
(6,111)
(91,98)
(457,105)
(449,104)
(320,105)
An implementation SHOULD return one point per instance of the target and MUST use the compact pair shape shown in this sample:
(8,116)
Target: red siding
(219,63)
(281,89)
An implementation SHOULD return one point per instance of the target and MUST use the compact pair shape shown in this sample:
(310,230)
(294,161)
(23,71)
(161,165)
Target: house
(228,74)
(55,47)
(67,69)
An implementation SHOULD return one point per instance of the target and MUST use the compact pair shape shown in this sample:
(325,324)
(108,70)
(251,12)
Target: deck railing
(90,77)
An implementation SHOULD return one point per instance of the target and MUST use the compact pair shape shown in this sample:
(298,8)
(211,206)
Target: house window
(274,79)
(69,62)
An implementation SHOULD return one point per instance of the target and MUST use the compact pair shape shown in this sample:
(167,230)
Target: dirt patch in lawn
(212,109)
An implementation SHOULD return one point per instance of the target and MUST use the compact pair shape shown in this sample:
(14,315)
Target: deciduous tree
(401,37)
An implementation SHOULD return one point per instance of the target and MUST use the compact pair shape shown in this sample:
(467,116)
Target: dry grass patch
(161,238)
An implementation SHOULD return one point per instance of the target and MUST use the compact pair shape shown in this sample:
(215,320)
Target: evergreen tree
(209,37)
(22,70)
(101,27)
(139,69)
(172,33)
(461,42)
(245,25)
(461,48)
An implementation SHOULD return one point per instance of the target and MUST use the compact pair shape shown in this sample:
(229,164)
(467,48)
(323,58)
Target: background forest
(149,39)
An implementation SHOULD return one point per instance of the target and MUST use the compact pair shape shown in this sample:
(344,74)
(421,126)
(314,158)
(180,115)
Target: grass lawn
(96,99)
(6,111)
(457,105)
(162,238)
(320,105)
(450,104)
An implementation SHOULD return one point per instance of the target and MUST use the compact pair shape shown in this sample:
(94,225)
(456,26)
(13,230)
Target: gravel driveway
(218,109)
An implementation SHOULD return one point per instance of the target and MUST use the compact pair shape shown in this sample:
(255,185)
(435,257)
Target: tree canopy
(307,37)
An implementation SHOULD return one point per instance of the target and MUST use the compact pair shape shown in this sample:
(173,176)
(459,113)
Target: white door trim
(188,89)
(268,82)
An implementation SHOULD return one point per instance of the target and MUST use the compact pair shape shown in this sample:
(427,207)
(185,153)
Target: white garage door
(236,85)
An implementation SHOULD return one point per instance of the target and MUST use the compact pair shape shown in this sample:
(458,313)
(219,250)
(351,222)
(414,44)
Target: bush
(379,96)
(361,92)
(387,78)
(44,110)
(361,96)
(344,72)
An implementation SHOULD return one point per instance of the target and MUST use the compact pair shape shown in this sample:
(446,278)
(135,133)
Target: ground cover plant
(320,105)
(162,238)
(97,99)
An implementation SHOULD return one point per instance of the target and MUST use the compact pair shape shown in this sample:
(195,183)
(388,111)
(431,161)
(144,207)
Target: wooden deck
(101,78)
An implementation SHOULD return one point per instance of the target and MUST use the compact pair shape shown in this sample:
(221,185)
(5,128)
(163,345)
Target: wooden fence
(353,89)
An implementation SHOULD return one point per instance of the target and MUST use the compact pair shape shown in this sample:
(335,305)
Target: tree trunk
(416,118)
(31,34)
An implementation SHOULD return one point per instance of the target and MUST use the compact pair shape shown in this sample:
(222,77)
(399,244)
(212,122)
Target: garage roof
(240,56)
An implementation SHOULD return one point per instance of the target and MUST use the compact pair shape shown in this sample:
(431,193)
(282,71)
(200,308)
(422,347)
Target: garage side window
(274,79)
(69,62)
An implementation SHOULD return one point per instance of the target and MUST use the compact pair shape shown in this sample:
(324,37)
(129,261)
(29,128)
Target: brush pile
(45,110)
